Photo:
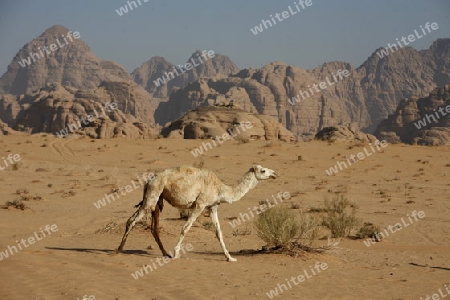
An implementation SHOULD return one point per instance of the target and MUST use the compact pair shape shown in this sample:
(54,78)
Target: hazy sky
(329,30)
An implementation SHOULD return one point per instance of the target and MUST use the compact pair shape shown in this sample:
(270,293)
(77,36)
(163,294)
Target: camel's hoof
(231,259)
(118,250)
(167,255)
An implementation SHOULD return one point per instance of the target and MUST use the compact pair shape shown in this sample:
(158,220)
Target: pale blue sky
(329,30)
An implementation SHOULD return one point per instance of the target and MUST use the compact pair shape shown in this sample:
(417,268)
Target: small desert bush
(279,227)
(22,191)
(208,225)
(246,231)
(340,216)
(15,166)
(370,231)
(199,164)
(185,213)
(17,204)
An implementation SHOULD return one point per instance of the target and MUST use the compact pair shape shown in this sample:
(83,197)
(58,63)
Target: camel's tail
(160,201)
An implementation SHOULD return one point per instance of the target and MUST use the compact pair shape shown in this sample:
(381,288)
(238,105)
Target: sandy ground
(78,259)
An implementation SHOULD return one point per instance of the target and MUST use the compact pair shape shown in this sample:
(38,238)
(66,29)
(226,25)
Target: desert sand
(78,259)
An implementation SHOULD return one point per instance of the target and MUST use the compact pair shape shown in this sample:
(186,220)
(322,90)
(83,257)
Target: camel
(195,189)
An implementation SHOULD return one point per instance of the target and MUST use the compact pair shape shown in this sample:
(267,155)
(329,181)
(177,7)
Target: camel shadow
(426,266)
(97,251)
(241,253)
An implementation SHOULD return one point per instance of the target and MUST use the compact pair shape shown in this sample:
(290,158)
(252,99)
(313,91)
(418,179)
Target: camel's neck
(247,183)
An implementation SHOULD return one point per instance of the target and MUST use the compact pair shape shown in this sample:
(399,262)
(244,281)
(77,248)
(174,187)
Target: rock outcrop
(209,122)
(344,134)
(5,129)
(422,121)
(63,110)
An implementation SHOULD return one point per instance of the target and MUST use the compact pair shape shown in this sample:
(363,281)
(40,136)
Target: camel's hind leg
(215,220)
(155,227)
(148,201)
(136,217)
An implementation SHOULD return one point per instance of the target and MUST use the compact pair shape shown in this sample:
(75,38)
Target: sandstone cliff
(57,109)
(423,121)
(364,98)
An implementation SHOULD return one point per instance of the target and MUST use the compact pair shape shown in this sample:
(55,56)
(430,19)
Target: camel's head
(262,173)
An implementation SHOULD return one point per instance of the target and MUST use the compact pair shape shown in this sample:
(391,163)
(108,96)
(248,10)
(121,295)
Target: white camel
(195,189)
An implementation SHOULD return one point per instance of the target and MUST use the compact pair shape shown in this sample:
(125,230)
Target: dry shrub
(370,231)
(199,164)
(208,225)
(340,218)
(277,227)
(280,228)
(17,204)
(185,213)
(246,231)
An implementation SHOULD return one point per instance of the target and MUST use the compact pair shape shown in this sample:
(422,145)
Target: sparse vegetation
(199,164)
(208,225)
(22,191)
(340,216)
(185,213)
(246,231)
(280,228)
(277,227)
(295,206)
(17,204)
(368,230)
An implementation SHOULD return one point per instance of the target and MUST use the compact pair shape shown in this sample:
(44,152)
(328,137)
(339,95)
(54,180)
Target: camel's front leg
(215,220)
(185,229)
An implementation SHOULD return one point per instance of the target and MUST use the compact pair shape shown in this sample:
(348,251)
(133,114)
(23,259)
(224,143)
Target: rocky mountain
(267,91)
(364,98)
(212,122)
(159,68)
(70,64)
(423,121)
(63,110)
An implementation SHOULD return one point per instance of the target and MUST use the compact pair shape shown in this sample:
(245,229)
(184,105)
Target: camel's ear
(253,168)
